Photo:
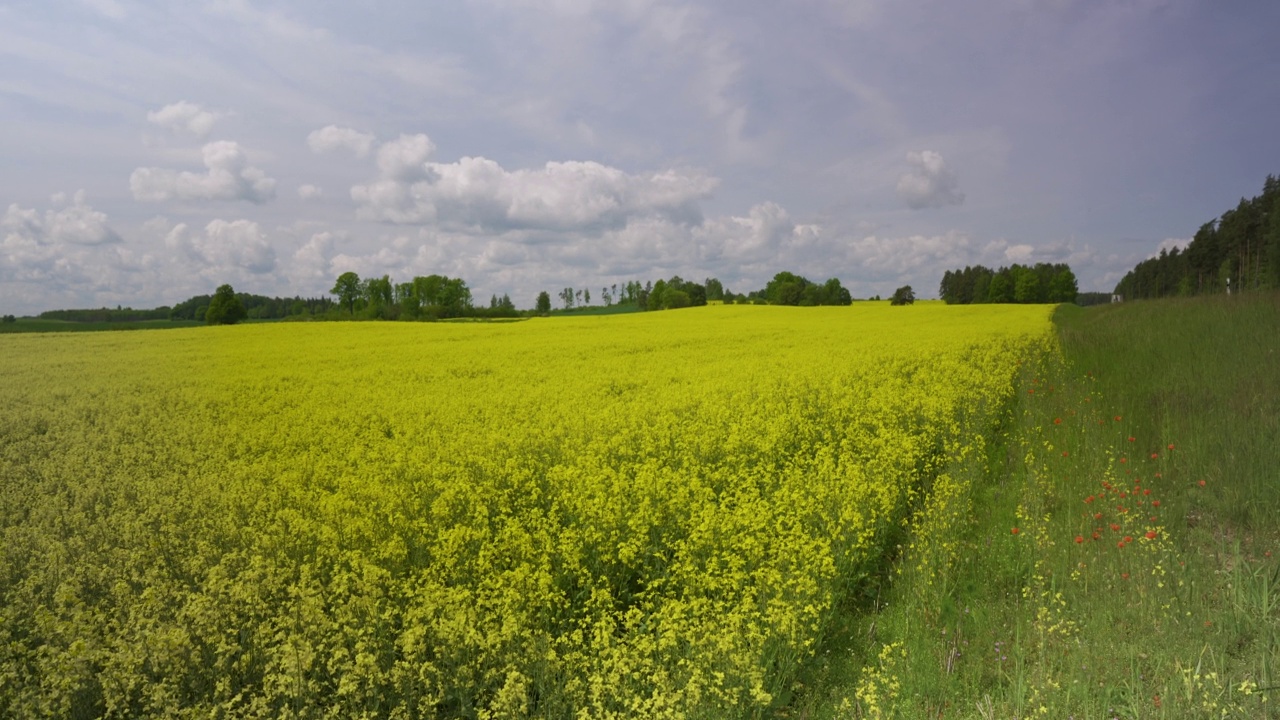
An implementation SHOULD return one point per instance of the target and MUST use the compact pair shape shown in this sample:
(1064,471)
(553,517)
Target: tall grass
(1115,553)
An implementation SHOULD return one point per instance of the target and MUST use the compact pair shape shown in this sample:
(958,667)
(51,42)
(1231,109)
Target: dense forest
(1238,251)
(1039,283)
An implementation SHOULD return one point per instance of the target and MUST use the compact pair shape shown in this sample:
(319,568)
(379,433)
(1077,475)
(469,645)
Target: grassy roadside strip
(1116,551)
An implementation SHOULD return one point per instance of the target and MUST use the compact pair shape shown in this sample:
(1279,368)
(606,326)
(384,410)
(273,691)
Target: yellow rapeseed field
(651,515)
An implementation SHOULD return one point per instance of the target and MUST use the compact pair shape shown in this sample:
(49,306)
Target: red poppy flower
(1128,538)
(1079,539)
(1057,421)
(1155,503)
(1097,516)
(1152,518)
(1124,575)
(1124,460)
(1123,494)
(1170,446)
(1064,453)
(1015,531)
(1096,535)
(1147,491)
(1131,438)
(1120,544)
(1151,534)
(1155,456)
(1117,418)
(1115,527)
(1089,499)
(1201,483)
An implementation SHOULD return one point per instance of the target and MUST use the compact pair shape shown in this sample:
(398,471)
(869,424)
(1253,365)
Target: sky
(152,151)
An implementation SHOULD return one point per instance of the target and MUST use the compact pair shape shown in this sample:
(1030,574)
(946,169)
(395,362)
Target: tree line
(436,297)
(1240,250)
(432,297)
(1039,283)
(785,288)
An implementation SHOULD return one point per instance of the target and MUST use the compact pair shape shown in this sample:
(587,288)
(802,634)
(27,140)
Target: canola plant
(651,515)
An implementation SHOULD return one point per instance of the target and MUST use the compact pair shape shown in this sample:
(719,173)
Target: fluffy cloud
(310,192)
(184,117)
(929,183)
(226,246)
(73,222)
(311,264)
(332,137)
(229,177)
(479,194)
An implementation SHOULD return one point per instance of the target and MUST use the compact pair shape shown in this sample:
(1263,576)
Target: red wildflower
(1057,421)
(1097,516)
(1201,483)
(1124,460)
(1089,499)
(1151,534)
(1147,491)
(1015,531)
(1115,527)
(1170,446)
(1155,455)
(1079,539)
(1120,544)
(1096,535)
(1155,503)
(1131,438)
(1128,538)
(1117,418)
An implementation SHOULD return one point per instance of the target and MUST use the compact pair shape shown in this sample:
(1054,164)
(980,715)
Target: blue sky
(152,151)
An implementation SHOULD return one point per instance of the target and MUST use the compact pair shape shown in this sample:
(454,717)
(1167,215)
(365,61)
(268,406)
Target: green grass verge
(1116,551)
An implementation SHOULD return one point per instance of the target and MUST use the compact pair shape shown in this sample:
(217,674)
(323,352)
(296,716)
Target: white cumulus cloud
(73,222)
(479,194)
(405,158)
(226,245)
(229,177)
(331,138)
(310,192)
(184,117)
(929,183)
